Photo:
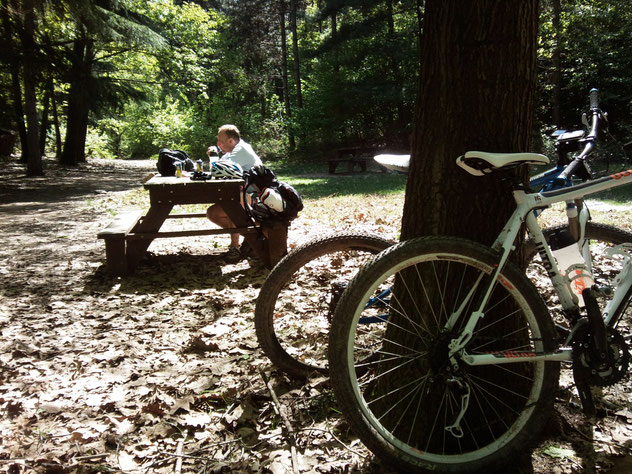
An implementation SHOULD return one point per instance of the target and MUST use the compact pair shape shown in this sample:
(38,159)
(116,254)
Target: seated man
(237,150)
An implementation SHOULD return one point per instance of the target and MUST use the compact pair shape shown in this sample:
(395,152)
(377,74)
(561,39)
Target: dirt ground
(160,371)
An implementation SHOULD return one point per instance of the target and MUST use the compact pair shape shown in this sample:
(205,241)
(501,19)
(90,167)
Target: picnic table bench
(129,235)
(353,157)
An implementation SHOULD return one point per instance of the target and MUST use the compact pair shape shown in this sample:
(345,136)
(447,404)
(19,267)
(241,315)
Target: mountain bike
(297,300)
(460,372)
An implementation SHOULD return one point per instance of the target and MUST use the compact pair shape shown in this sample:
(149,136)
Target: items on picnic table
(168,161)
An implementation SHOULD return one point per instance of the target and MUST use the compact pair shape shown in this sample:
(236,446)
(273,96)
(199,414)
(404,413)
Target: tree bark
(476,93)
(78,103)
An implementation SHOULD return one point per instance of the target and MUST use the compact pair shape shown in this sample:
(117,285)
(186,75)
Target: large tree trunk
(78,104)
(476,93)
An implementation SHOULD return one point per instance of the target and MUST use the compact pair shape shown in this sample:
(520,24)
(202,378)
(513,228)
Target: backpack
(257,179)
(167,160)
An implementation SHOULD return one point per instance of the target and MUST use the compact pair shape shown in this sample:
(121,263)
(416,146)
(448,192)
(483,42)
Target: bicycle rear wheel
(605,269)
(412,405)
(296,301)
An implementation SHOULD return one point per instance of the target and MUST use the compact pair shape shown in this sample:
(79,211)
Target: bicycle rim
(407,401)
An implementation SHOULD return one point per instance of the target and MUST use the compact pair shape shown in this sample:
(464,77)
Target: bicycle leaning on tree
(297,301)
(461,371)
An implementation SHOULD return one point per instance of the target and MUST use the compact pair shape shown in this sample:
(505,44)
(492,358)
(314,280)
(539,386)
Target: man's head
(227,137)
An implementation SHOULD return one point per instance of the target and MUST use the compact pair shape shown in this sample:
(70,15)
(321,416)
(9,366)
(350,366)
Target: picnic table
(130,234)
(353,157)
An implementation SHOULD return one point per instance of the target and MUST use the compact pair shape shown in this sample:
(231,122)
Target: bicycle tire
(287,297)
(369,398)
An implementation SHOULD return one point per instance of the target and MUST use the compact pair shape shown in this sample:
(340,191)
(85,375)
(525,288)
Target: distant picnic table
(353,157)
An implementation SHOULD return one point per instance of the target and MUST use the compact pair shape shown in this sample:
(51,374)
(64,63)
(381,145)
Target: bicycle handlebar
(590,139)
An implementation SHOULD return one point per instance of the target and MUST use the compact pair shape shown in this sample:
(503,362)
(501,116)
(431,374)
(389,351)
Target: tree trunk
(297,64)
(16,87)
(34,158)
(44,122)
(78,104)
(286,88)
(58,141)
(18,110)
(476,93)
(556,73)
(399,118)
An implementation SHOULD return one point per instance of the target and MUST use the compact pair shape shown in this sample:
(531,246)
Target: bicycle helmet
(273,199)
(226,169)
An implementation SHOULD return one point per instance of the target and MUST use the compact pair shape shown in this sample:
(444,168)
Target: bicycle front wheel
(296,302)
(411,403)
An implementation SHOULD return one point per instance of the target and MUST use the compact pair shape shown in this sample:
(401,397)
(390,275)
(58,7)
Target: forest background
(123,78)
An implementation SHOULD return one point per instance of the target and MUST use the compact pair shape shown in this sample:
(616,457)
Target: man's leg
(216,215)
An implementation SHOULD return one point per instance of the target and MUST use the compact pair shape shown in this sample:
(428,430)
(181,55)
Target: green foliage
(595,38)
(169,73)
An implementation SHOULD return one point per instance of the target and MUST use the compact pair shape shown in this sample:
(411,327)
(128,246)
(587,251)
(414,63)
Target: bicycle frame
(525,203)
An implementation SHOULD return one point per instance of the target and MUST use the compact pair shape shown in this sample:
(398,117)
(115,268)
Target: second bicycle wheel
(605,267)
(412,404)
(296,301)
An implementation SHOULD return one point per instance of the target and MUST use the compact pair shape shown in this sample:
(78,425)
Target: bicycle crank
(597,372)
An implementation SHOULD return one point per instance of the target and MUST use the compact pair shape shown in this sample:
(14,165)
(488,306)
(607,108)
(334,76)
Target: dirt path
(160,371)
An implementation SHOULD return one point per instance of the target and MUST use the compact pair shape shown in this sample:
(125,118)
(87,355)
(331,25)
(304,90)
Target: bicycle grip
(570,169)
(594,98)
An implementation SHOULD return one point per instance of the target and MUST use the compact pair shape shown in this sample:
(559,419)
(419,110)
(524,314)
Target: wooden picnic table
(352,157)
(130,234)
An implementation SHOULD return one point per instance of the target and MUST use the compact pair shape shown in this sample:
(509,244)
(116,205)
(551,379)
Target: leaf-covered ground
(160,371)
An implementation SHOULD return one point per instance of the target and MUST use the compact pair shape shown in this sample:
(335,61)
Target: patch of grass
(346,185)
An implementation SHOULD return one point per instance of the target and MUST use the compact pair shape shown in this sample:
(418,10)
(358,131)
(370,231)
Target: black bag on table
(167,160)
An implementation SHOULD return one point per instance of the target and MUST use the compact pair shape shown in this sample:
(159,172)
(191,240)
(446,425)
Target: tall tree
(284,72)
(295,53)
(98,24)
(30,73)
(476,93)
(82,58)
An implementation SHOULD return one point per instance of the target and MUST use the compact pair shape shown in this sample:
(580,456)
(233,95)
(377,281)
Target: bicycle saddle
(480,163)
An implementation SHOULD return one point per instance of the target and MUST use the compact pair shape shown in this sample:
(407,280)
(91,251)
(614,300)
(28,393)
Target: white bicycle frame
(525,204)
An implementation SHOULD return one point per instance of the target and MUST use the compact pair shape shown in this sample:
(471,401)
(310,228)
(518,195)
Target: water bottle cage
(576,271)
(624,249)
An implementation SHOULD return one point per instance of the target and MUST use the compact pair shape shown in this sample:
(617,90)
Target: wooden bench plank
(121,225)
